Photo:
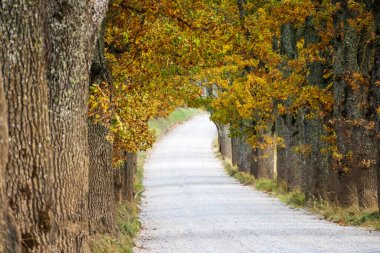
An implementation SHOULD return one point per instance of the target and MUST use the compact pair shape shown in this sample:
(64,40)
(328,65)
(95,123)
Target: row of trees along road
(299,89)
(295,82)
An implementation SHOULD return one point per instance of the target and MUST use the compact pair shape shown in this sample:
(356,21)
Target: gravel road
(191,206)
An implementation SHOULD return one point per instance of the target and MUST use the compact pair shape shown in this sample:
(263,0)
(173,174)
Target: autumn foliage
(273,70)
(148,73)
(293,87)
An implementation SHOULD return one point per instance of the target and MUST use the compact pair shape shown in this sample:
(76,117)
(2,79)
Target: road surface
(191,206)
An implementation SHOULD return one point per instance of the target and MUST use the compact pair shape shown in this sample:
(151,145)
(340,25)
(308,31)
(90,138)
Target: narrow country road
(192,206)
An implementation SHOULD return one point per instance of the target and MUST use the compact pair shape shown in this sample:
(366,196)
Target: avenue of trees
(293,88)
(302,100)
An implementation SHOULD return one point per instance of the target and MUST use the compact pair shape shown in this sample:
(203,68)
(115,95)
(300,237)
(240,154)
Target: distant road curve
(192,206)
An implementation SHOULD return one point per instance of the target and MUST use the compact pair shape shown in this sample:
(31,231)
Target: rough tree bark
(295,160)
(225,145)
(3,162)
(28,173)
(347,190)
(376,11)
(245,158)
(264,162)
(71,29)
(235,148)
(9,232)
(124,178)
(290,127)
(366,132)
(245,153)
(355,140)
(117,185)
(101,197)
(316,174)
(282,172)
(128,175)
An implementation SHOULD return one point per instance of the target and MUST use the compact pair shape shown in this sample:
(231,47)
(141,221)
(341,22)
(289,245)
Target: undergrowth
(297,199)
(127,219)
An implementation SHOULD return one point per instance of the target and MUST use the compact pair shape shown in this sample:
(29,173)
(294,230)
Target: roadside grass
(243,178)
(342,216)
(127,219)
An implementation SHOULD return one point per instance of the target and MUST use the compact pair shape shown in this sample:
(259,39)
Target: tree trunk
(131,176)
(347,192)
(265,163)
(128,176)
(291,125)
(377,90)
(117,185)
(294,160)
(365,135)
(3,162)
(355,138)
(101,197)
(245,153)
(316,174)
(235,148)
(9,232)
(281,165)
(245,157)
(72,27)
(124,178)
(254,163)
(319,165)
(262,162)
(29,168)
(225,147)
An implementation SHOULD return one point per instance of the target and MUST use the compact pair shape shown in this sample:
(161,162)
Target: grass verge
(127,220)
(342,216)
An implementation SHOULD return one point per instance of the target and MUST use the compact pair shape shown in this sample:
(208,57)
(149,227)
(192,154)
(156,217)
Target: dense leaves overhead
(160,51)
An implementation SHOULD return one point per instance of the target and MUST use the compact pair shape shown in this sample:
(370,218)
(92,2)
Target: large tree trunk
(71,28)
(245,157)
(281,165)
(117,185)
(292,122)
(265,163)
(355,138)
(128,174)
(124,178)
(366,133)
(263,159)
(347,195)
(235,148)
(225,145)
(319,165)
(317,172)
(294,160)
(377,90)
(29,168)
(245,153)
(3,162)
(9,232)
(101,197)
